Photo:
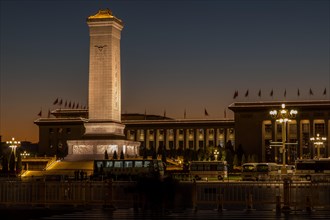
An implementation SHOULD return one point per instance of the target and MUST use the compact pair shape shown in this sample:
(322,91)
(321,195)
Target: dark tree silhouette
(106,156)
(19,163)
(144,153)
(4,164)
(115,156)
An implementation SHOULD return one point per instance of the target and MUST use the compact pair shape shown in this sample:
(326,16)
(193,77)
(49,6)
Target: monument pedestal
(94,149)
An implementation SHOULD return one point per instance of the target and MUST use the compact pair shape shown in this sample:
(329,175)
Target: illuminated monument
(103,129)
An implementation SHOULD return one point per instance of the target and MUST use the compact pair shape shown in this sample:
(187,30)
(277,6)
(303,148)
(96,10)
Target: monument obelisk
(103,128)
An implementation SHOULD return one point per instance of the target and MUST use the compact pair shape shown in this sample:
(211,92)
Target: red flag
(225,113)
(311,92)
(325,91)
(61,102)
(285,93)
(39,114)
(205,112)
(247,93)
(184,113)
(298,93)
(259,93)
(235,94)
(271,93)
(55,102)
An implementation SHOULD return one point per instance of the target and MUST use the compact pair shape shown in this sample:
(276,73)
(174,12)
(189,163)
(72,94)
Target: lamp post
(318,142)
(283,116)
(216,154)
(13,145)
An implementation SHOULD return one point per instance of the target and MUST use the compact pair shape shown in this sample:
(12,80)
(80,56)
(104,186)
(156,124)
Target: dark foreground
(100,214)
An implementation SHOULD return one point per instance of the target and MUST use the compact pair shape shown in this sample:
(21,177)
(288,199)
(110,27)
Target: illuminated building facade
(256,130)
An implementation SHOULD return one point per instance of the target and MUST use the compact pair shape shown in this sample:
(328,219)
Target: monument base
(95,149)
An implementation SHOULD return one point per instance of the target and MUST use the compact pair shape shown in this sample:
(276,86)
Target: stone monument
(103,128)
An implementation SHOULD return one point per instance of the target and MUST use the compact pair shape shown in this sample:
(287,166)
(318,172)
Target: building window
(68,130)
(268,129)
(51,130)
(319,128)
(191,144)
(161,131)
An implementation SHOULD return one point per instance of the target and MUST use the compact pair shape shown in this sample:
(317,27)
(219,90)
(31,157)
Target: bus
(312,169)
(128,169)
(249,171)
(268,171)
(208,170)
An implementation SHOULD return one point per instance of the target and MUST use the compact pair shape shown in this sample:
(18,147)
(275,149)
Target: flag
(205,112)
(310,92)
(184,113)
(259,93)
(61,102)
(73,106)
(235,94)
(165,113)
(225,114)
(48,113)
(325,91)
(77,106)
(39,114)
(55,102)
(285,93)
(70,104)
(145,114)
(66,104)
(298,93)
(247,93)
(271,93)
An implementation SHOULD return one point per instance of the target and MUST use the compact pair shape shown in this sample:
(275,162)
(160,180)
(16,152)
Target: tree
(122,155)
(144,153)
(115,156)
(235,161)
(164,156)
(243,159)
(19,163)
(4,164)
(106,156)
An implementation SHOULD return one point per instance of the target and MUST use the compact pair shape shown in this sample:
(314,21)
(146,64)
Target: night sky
(175,55)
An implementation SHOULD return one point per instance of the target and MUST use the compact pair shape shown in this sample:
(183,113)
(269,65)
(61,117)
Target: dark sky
(175,55)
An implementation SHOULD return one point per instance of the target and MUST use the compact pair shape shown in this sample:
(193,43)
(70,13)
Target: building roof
(104,15)
(306,104)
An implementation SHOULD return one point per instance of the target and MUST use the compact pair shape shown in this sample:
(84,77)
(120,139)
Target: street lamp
(283,116)
(13,145)
(25,154)
(318,142)
(216,154)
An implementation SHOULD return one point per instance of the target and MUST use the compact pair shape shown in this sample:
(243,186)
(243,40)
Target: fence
(301,195)
(198,195)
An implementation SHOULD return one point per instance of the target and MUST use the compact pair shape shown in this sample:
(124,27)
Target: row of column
(185,138)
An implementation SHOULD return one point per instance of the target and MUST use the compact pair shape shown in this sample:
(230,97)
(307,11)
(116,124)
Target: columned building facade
(151,131)
(260,134)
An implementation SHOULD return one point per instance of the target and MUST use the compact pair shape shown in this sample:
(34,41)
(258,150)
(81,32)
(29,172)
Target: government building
(253,129)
